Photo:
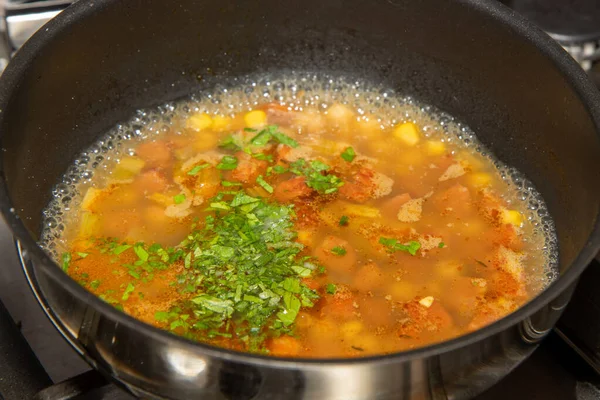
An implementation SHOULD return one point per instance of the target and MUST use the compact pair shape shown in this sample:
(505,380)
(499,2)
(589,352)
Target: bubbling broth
(304,216)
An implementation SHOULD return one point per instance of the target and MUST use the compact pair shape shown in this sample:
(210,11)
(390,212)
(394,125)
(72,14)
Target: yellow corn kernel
(204,141)
(480,179)
(199,122)
(220,124)
(408,133)
(512,217)
(90,197)
(357,210)
(435,148)
(128,167)
(351,329)
(255,119)
(88,224)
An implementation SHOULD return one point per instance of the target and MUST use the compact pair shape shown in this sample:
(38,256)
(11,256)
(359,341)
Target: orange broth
(413,240)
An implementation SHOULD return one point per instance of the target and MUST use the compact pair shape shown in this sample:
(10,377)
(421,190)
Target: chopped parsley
(272,132)
(441,245)
(331,288)
(243,270)
(348,154)
(82,255)
(278,169)
(316,175)
(95,284)
(394,245)
(344,220)
(261,181)
(180,198)
(228,163)
(338,251)
(128,290)
(119,249)
(194,171)
(66,261)
(229,184)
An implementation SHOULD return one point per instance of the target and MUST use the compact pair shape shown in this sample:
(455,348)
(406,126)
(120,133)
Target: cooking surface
(554,371)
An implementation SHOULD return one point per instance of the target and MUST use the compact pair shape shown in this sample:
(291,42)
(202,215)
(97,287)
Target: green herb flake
(344,220)
(394,245)
(162,316)
(128,290)
(262,138)
(230,184)
(284,139)
(230,143)
(141,253)
(316,175)
(338,251)
(82,255)
(441,245)
(66,261)
(331,288)
(278,169)
(227,163)
(194,171)
(261,181)
(348,154)
(180,198)
(95,283)
(120,249)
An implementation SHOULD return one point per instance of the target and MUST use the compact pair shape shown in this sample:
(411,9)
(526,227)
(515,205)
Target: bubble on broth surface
(295,91)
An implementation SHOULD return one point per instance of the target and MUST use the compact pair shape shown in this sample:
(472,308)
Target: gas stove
(36,362)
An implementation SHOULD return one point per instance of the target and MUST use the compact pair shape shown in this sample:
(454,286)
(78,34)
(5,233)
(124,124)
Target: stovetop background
(554,371)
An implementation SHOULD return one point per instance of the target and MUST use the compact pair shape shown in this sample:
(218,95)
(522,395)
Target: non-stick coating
(92,68)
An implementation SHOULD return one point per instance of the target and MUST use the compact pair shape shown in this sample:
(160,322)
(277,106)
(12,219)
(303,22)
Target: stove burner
(567,21)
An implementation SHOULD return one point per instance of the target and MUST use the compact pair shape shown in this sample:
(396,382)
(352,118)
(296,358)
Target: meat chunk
(155,154)
(342,263)
(248,168)
(292,189)
(365,184)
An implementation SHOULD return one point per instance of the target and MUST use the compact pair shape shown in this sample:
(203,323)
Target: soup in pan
(320,221)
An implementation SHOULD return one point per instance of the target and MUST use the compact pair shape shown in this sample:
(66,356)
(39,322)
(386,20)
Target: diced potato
(161,199)
(411,211)
(358,210)
(402,291)
(204,141)
(512,217)
(426,301)
(199,122)
(368,277)
(90,197)
(88,225)
(311,120)
(220,124)
(127,168)
(480,179)
(339,114)
(435,148)
(255,119)
(448,269)
(367,342)
(408,133)
(351,329)
(453,171)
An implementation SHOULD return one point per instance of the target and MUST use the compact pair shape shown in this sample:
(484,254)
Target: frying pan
(100,60)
